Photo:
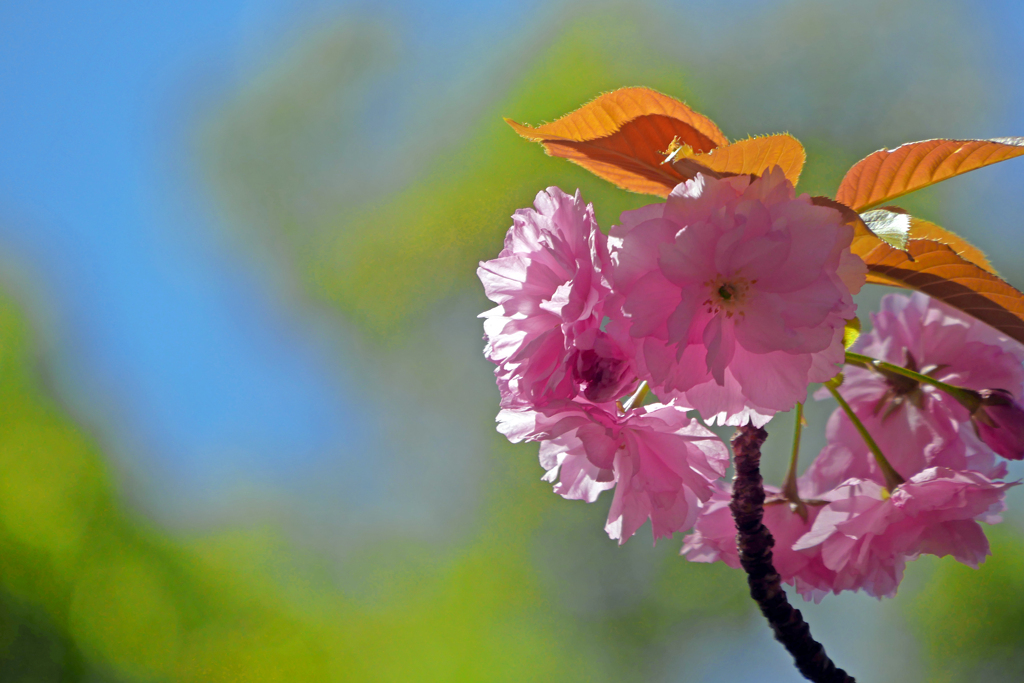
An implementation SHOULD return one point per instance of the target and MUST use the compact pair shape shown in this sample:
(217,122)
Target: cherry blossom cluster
(728,301)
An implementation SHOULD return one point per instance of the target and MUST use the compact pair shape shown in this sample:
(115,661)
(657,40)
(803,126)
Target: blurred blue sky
(158,322)
(159,325)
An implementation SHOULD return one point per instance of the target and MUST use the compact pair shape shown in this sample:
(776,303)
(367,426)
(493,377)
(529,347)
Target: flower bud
(999,422)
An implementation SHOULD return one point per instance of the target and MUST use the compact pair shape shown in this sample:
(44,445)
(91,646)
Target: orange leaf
(622,137)
(754,155)
(926,230)
(938,271)
(895,226)
(887,174)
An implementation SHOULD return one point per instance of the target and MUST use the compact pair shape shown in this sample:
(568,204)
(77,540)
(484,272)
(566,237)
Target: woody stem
(755,542)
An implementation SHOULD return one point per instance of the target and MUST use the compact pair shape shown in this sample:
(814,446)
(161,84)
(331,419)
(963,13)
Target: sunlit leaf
(896,227)
(891,227)
(887,174)
(937,270)
(753,155)
(623,137)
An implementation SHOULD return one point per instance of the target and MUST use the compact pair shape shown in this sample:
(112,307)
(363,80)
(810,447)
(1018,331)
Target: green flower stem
(791,476)
(790,489)
(892,477)
(967,398)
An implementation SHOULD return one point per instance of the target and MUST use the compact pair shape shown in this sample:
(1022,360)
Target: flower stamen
(727,295)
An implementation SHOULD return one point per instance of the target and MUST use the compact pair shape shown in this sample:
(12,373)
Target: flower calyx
(899,388)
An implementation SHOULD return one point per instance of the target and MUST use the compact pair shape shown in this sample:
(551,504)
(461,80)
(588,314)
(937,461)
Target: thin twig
(755,545)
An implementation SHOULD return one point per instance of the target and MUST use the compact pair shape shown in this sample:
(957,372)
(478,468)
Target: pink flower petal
(735,265)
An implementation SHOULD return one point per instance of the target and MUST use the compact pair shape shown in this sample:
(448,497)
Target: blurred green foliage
(971,622)
(90,591)
(386,263)
(106,596)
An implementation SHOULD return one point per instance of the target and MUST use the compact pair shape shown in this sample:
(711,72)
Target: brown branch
(755,545)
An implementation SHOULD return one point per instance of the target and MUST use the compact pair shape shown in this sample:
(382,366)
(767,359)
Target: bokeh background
(246,430)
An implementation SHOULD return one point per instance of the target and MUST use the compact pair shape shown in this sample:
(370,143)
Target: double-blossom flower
(917,424)
(865,534)
(661,462)
(858,535)
(714,538)
(730,298)
(737,293)
(550,284)
(558,339)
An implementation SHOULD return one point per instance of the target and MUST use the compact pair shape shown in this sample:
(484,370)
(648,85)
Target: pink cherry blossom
(916,425)
(911,441)
(545,334)
(865,535)
(661,462)
(737,292)
(714,539)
